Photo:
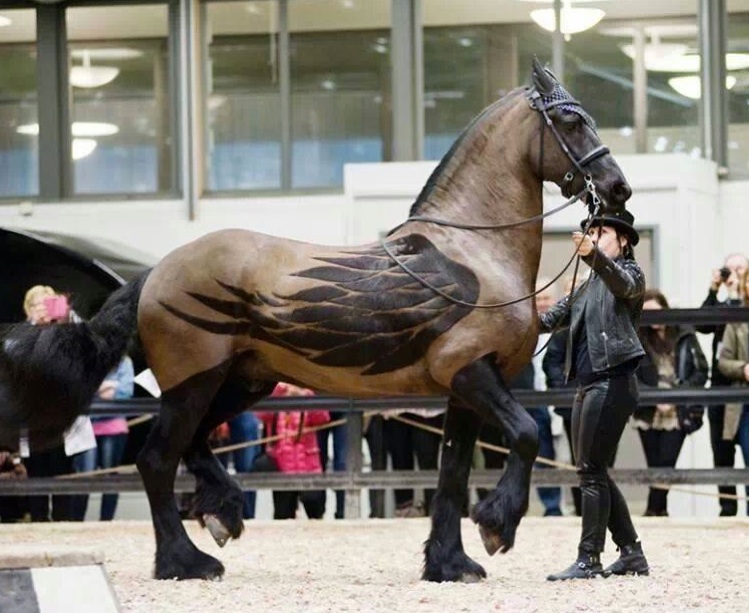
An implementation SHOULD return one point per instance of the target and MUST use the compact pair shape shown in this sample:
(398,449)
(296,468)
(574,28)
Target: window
(19,160)
(243,107)
(340,76)
(738,94)
(284,116)
(121,118)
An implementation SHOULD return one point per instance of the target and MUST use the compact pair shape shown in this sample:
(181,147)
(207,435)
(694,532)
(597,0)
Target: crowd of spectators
(673,359)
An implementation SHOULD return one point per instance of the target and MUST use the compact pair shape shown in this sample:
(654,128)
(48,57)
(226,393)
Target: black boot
(587,566)
(631,562)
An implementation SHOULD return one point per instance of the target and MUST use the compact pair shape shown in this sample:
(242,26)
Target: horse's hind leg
(445,559)
(480,385)
(182,410)
(218,499)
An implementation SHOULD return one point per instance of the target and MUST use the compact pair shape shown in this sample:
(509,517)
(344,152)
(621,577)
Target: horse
(222,319)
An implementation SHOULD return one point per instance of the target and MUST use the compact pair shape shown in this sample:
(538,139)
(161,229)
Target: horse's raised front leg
(219,500)
(182,410)
(480,386)
(445,559)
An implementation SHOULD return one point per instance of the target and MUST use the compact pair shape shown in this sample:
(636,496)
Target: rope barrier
(565,466)
(131,468)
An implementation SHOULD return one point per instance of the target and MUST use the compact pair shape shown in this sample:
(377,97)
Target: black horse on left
(222,319)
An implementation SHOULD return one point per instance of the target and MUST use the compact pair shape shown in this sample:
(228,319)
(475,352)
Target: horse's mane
(457,146)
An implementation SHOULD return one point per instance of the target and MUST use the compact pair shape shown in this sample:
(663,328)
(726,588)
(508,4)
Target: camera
(725,273)
(57,307)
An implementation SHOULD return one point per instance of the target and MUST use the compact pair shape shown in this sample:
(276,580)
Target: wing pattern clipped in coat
(360,309)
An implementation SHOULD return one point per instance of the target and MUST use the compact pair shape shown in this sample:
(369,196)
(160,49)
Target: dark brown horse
(225,317)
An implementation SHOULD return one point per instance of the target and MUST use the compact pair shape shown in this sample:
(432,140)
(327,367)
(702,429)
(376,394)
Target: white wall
(695,218)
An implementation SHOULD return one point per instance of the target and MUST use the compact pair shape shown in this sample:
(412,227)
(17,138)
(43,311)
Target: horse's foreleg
(182,409)
(445,559)
(480,385)
(218,499)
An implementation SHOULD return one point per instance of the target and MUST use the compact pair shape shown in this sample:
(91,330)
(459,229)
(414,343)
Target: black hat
(623,221)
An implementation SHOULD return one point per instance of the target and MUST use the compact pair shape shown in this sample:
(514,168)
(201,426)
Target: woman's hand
(585,246)
(746,372)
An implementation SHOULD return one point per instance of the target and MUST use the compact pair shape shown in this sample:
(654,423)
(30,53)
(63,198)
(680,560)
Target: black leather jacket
(690,366)
(611,301)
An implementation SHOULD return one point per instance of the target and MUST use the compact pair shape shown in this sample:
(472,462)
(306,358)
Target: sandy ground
(374,566)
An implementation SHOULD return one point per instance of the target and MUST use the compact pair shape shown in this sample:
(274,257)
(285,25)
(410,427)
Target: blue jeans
(244,427)
(339,455)
(742,440)
(111,449)
(83,462)
(551,497)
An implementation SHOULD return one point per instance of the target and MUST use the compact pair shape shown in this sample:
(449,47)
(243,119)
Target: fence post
(354,430)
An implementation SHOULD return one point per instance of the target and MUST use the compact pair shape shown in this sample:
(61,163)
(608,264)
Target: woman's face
(607,240)
(37,312)
(653,305)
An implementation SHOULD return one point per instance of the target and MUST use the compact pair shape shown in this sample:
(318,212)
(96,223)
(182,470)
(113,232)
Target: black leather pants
(599,415)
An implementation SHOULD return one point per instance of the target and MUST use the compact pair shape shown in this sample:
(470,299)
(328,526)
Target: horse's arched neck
(486,177)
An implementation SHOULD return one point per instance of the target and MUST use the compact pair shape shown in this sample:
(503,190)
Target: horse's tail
(50,374)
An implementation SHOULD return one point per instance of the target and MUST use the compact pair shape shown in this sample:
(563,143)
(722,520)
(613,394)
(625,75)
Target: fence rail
(374,480)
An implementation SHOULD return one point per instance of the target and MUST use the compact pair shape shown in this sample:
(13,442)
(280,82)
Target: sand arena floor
(374,565)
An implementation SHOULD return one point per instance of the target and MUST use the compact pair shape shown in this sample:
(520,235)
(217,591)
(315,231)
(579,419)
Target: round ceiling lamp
(83,147)
(5,21)
(79,129)
(690,86)
(572,19)
(88,76)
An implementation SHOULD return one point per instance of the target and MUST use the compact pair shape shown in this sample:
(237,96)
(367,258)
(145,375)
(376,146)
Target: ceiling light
(573,20)
(88,76)
(81,129)
(659,59)
(5,21)
(658,56)
(108,53)
(83,147)
(690,86)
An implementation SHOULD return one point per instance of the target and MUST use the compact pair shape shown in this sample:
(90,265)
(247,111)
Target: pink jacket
(292,456)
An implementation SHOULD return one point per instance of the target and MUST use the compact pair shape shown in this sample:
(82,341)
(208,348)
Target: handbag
(263,462)
(690,418)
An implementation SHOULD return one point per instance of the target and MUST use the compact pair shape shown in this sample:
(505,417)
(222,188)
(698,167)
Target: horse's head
(568,149)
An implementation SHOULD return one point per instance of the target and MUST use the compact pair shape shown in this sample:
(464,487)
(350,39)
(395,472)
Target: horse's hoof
(218,531)
(492,541)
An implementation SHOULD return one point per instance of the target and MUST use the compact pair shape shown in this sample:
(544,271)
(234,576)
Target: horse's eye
(570,121)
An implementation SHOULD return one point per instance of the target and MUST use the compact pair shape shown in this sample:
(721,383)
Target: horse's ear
(543,80)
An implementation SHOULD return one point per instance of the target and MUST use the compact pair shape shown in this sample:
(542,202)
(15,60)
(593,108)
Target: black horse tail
(50,374)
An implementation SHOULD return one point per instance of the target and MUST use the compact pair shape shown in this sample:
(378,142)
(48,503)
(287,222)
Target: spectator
(551,497)
(43,306)
(243,428)
(338,434)
(724,451)
(733,363)
(403,442)
(374,427)
(12,508)
(111,432)
(673,358)
(295,452)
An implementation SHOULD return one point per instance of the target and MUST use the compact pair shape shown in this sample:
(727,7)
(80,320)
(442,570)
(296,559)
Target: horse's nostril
(622,191)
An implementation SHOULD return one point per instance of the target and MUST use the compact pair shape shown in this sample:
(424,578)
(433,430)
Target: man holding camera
(729,276)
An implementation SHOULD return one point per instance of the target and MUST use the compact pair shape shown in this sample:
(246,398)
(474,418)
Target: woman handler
(605,353)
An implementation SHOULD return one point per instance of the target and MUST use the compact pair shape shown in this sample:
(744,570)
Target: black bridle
(536,102)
